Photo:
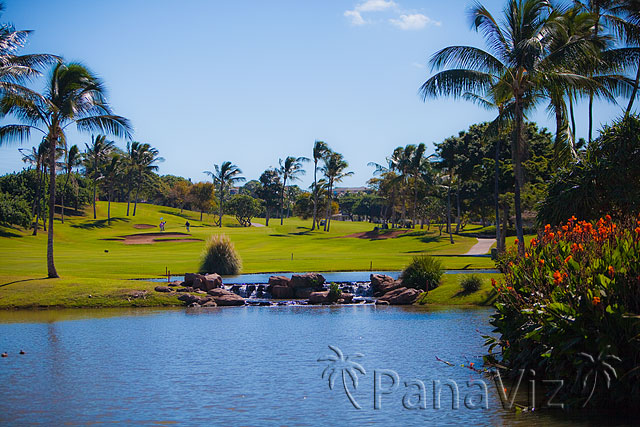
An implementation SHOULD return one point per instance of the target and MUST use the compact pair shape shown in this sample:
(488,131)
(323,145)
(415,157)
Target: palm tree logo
(597,366)
(339,364)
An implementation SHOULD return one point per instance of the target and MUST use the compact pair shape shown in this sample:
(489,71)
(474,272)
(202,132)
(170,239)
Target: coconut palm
(417,165)
(388,184)
(112,171)
(320,150)
(143,165)
(225,175)
(518,69)
(74,95)
(334,170)
(96,155)
(291,169)
(72,158)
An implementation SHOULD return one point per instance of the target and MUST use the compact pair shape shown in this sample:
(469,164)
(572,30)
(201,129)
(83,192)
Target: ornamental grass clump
(424,272)
(471,283)
(220,256)
(570,310)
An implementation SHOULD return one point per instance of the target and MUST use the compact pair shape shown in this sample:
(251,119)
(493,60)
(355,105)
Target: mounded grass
(450,291)
(92,258)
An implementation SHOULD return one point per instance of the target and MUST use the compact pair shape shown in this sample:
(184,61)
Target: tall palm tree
(112,173)
(71,160)
(320,150)
(417,165)
(144,161)
(291,169)
(334,170)
(519,67)
(225,175)
(73,95)
(96,155)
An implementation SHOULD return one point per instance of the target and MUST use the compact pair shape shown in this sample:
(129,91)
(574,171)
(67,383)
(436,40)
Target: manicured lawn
(90,254)
(450,293)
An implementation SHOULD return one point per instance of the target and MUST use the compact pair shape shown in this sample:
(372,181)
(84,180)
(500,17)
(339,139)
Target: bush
(471,283)
(334,292)
(14,211)
(570,310)
(424,272)
(220,256)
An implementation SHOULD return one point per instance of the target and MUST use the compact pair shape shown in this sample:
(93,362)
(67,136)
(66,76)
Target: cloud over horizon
(405,21)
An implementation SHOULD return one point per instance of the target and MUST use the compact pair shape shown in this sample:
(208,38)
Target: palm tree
(225,175)
(143,165)
(73,95)
(320,150)
(96,156)
(334,170)
(417,165)
(112,173)
(518,70)
(72,159)
(291,168)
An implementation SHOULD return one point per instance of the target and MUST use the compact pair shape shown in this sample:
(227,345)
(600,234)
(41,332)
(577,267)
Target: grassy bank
(451,293)
(94,258)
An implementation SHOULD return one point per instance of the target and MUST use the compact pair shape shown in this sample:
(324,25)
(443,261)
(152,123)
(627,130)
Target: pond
(248,366)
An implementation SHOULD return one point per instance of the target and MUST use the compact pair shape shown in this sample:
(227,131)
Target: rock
(189,278)
(203,281)
(191,299)
(223,297)
(319,297)
(279,280)
(346,298)
(188,289)
(210,304)
(236,289)
(162,289)
(174,284)
(194,305)
(380,302)
(250,289)
(401,296)
(303,293)
(281,292)
(381,284)
(308,280)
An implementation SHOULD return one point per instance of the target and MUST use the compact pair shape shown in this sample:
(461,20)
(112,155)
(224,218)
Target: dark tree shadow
(99,223)
(23,280)
(181,215)
(6,231)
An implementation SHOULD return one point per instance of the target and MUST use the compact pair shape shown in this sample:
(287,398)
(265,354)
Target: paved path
(482,247)
(255,224)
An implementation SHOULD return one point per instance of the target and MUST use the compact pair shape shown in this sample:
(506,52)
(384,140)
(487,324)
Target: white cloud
(356,18)
(418,65)
(368,6)
(416,21)
(375,5)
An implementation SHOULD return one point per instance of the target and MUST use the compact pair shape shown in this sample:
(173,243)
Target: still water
(246,366)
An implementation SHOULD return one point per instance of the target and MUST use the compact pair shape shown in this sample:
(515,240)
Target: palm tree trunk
(135,200)
(518,145)
(315,193)
(415,202)
(284,183)
(458,216)
(43,202)
(449,211)
(221,202)
(109,207)
(326,222)
(266,216)
(573,118)
(496,194)
(635,91)
(51,268)
(64,190)
(590,116)
(95,184)
(505,220)
(128,194)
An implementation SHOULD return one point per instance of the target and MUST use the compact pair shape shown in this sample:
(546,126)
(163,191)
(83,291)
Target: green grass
(451,293)
(92,259)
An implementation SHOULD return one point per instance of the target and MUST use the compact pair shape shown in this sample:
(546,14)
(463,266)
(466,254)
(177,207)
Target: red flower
(557,277)
(611,271)
(596,300)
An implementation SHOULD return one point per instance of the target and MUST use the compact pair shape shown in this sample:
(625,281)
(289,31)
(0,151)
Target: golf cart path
(482,247)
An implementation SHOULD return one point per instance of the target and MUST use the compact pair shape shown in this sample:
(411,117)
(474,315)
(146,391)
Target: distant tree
(291,169)
(72,158)
(320,150)
(269,191)
(14,211)
(225,175)
(179,193)
(112,173)
(245,208)
(96,156)
(143,164)
(201,195)
(251,188)
(334,170)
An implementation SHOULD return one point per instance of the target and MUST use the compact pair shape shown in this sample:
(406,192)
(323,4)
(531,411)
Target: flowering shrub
(571,306)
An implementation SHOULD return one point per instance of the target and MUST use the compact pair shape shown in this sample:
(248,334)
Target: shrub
(471,283)
(424,272)
(334,292)
(220,256)
(570,310)
(14,211)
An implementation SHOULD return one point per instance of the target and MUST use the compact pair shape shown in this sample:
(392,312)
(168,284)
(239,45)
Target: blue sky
(254,81)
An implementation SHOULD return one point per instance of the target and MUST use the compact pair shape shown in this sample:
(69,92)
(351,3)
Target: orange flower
(607,217)
(541,262)
(596,300)
(557,277)
(551,235)
(637,230)
(611,271)
(493,282)
(515,242)
(509,288)
(534,242)
(565,228)
(526,255)
(567,259)
(547,228)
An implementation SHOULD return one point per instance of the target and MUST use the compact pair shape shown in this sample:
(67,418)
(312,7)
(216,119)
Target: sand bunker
(148,238)
(377,235)
(143,226)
